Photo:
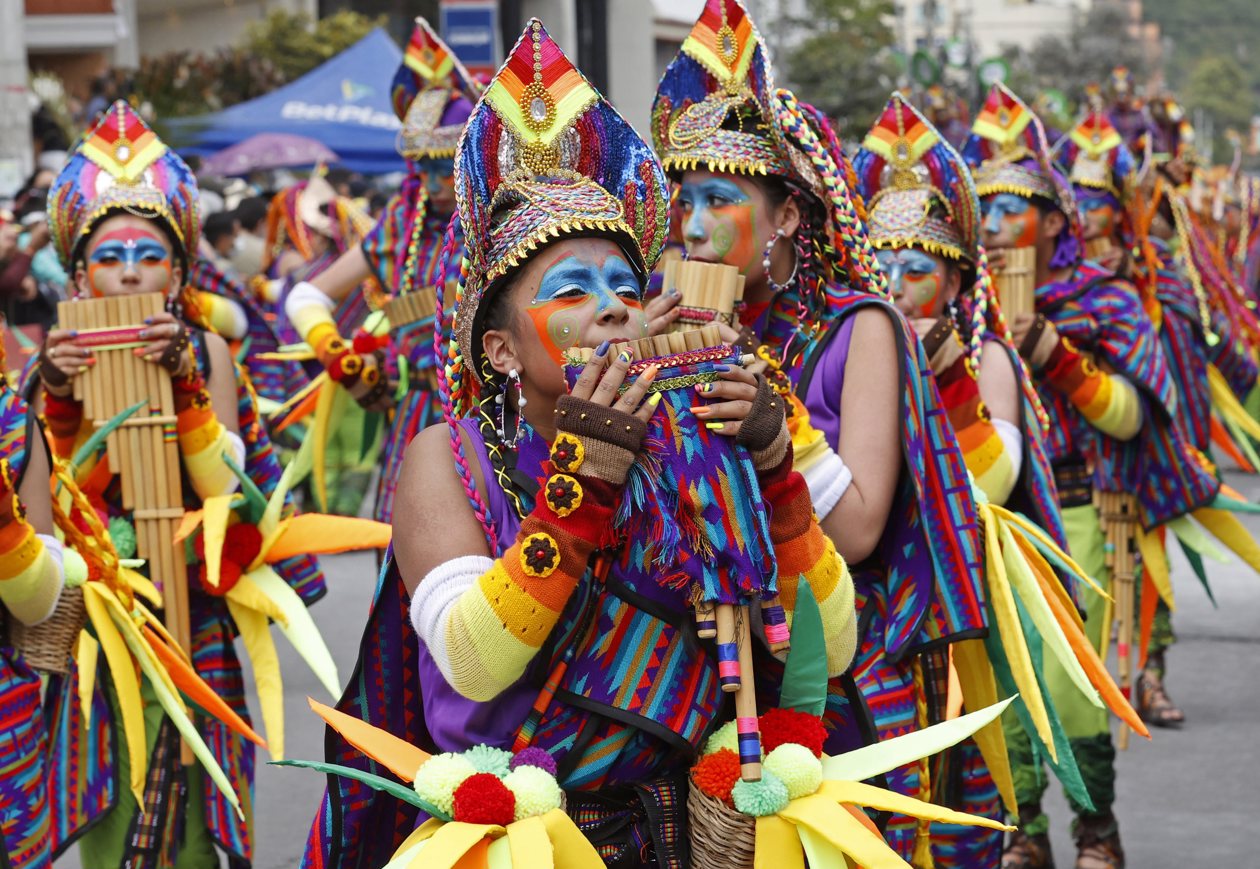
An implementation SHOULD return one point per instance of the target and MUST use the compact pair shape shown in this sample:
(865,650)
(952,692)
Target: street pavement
(1186,799)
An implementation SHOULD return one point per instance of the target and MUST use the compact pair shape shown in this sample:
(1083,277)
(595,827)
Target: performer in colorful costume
(1083,313)
(124,218)
(537,617)
(924,221)
(31,580)
(433,95)
(765,187)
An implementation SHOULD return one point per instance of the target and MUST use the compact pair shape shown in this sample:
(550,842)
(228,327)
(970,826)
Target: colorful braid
(450,373)
(864,272)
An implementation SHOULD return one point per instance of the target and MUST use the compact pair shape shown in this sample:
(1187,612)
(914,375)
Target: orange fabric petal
(319,534)
(397,755)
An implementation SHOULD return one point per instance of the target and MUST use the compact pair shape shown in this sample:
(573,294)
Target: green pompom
(75,567)
(535,789)
(760,798)
(439,776)
(485,758)
(724,737)
(797,767)
(123,536)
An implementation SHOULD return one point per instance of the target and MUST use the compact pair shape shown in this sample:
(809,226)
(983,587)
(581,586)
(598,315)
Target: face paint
(916,280)
(128,248)
(575,293)
(1098,215)
(1010,221)
(718,210)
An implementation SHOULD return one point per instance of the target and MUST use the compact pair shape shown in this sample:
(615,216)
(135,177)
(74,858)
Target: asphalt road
(1186,799)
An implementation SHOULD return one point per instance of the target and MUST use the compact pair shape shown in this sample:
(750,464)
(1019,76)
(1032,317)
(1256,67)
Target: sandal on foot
(1028,852)
(1155,707)
(1098,843)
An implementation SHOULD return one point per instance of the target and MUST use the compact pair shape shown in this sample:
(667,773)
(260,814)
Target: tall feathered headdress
(1095,157)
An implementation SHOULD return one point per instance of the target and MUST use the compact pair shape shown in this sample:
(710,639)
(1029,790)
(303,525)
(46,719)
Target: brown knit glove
(764,431)
(595,440)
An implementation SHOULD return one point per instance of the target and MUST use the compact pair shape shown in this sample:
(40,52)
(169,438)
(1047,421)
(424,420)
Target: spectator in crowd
(247,258)
(220,232)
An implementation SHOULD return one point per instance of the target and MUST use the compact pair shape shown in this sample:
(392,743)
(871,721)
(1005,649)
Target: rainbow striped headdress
(121,165)
(1096,157)
(1008,153)
(917,188)
(433,95)
(544,155)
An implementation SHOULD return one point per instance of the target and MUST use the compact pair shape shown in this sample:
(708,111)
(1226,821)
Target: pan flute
(1017,281)
(144,451)
(1118,515)
(1099,248)
(411,317)
(710,292)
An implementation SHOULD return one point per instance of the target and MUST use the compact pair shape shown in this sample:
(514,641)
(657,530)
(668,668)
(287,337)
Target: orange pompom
(716,774)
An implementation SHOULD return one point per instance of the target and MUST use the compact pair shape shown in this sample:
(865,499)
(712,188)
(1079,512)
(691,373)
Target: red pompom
(781,726)
(229,576)
(483,799)
(716,773)
(363,343)
(242,543)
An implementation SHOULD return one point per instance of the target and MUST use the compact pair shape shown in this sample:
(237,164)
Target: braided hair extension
(451,386)
(863,269)
(496,450)
(828,132)
(407,279)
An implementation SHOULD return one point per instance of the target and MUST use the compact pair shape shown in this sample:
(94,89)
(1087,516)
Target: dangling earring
(514,382)
(951,310)
(765,264)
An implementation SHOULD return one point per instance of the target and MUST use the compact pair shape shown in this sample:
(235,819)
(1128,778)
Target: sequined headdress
(917,188)
(717,109)
(1095,157)
(433,95)
(544,155)
(1008,153)
(121,166)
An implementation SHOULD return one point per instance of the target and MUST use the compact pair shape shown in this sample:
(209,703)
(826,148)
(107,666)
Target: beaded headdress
(1008,153)
(717,109)
(433,95)
(917,188)
(544,155)
(1095,157)
(121,165)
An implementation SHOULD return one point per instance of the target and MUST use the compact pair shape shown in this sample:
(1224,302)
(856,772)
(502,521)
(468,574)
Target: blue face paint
(915,275)
(437,174)
(995,208)
(574,293)
(130,254)
(697,197)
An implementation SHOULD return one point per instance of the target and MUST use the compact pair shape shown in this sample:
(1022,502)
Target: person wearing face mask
(765,186)
(1102,377)
(124,220)
(433,95)
(505,525)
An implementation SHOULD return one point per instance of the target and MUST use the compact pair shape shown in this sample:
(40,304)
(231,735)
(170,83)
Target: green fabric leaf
(97,440)
(255,500)
(1233,505)
(376,782)
(1196,564)
(805,673)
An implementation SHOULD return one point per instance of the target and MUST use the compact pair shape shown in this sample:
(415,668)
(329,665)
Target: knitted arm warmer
(801,547)
(984,450)
(203,439)
(30,564)
(65,423)
(1108,401)
(482,621)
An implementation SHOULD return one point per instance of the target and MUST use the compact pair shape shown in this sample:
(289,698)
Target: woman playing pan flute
(124,217)
(564,213)
(765,187)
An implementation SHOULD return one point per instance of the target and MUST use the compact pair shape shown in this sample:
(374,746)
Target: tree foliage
(295,44)
(1198,29)
(1098,42)
(1218,86)
(838,56)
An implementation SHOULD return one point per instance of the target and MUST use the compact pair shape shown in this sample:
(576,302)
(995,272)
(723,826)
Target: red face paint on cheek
(559,323)
(1022,228)
(924,291)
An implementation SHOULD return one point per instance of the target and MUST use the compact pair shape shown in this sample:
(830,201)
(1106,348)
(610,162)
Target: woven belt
(1075,483)
(641,825)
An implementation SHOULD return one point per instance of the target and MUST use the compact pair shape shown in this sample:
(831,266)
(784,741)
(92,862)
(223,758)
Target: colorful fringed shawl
(274,379)
(25,816)
(636,696)
(81,766)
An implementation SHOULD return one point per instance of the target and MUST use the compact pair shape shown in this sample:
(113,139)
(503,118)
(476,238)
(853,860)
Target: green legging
(104,846)
(1086,726)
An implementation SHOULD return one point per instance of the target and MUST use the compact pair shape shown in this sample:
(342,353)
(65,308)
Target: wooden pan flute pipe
(1118,513)
(709,292)
(144,451)
(1017,281)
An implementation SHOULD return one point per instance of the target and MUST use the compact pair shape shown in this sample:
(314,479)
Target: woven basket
(721,838)
(47,645)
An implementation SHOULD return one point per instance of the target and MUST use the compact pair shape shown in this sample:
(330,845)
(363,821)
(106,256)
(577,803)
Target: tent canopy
(344,103)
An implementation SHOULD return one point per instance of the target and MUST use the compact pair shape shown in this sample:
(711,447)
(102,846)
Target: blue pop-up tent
(344,103)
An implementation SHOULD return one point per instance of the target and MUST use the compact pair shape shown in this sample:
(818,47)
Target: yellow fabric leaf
(831,823)
(256,634)
(86,655)
(1155,565)
(122,672)
(246,593)
(452,841)
(319,534)
(141,585)
(529,845)
(570,849)
(979,689)
(778,845)
(215,510)
(299,628)
(1226,528)
(888,801)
